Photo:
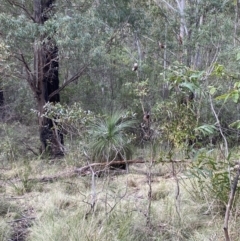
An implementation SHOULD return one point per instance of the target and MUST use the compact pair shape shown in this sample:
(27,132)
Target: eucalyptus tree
(51,42)
(2,49)
(200,29)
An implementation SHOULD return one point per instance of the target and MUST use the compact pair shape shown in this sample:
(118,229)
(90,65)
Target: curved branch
(66,83)
(22,6)
(30,76)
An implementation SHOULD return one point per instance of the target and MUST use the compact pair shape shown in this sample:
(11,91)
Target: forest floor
(131,205)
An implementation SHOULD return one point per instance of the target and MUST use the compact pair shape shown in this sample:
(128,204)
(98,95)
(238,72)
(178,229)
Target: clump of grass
(64,202)
(71,188)
(118,225)
(5,232)
(132,183)
(6,207)
(159,194)
(63,209)
(2,189)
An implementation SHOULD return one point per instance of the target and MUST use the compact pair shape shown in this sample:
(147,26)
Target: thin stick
(230,203)
(20,219)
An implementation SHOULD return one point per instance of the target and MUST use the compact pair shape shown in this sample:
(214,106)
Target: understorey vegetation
(119,120)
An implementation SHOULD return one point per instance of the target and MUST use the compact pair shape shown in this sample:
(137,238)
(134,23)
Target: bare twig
(31,149)
(230,203)
(30,76)
(177,203)
(149,178)
(226,154)
(20,219)
(23,7)
(235,182)
(211,66)
(57,137)
(115,204)
(66,83)
(93,202)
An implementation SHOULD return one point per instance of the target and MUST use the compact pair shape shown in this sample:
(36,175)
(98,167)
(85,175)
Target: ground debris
(20,226)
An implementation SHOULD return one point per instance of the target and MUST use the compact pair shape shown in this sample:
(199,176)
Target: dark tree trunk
(46,79)
(51,136)
(1,104)
(1,98)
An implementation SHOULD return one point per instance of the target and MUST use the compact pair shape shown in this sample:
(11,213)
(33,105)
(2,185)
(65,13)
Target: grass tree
(110,137)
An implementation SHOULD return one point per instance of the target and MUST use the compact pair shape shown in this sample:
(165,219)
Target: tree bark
(1,98)
(1,104)
(236,24)
(46,80)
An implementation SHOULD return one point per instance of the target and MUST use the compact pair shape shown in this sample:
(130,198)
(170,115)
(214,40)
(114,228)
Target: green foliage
(140,89)
(235,124)
(67,114)
(228,97)
(24,176)
(139,92)
(179,74)
(205,130)
(212,177)
(17,141)
(108,37)
(72,119)
(110,138)
(219,70)
(177,115)
(122,12)
(9,147)
(177,123)
(24,183)
(233,94)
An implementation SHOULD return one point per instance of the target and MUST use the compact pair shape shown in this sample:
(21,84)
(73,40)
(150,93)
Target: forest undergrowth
(159,200)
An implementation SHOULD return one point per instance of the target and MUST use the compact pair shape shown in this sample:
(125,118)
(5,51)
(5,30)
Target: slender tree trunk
(1,98)
(183,26)
(237,13)
(183,30)
(1,104)
(46,80)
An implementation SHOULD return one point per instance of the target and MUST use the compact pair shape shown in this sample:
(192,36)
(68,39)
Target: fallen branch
(83,171)
(20,219)
(176,161)
(86,170)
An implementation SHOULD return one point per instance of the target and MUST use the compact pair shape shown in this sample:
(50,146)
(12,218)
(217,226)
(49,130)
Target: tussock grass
(7,207)
(8,211)
(62,209)
(5,231)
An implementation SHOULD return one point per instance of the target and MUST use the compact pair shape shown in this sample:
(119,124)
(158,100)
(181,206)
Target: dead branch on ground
(86,170)
(83,171)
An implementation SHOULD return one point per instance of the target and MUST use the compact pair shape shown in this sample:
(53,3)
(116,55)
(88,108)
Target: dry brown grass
(62,209)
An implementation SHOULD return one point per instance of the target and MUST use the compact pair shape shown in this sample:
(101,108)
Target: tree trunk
(1,98)
(236,24)
(1,104)
(46,80)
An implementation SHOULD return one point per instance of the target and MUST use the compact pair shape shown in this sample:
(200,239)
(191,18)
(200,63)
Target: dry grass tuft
(64,210)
